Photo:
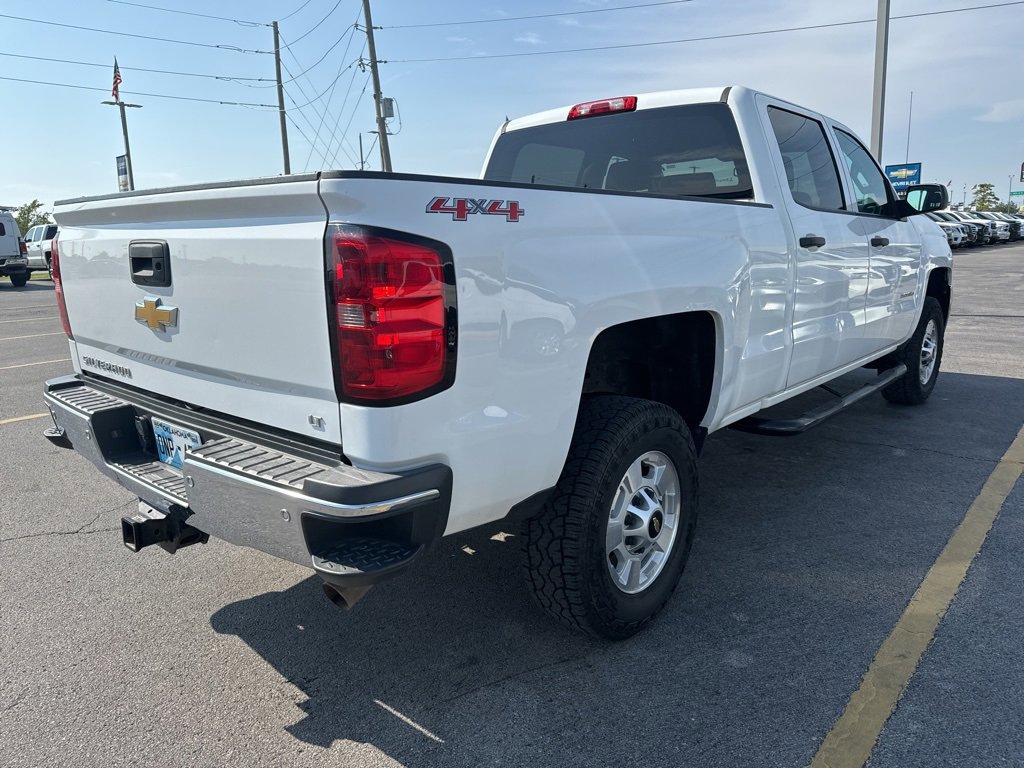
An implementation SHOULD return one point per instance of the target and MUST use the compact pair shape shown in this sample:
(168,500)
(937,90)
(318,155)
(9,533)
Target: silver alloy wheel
(929,349)
(643,522)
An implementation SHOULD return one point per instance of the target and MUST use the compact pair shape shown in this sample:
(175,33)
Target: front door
(832,260)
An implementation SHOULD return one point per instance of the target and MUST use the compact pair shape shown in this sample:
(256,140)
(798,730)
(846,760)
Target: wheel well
(939,286)
(668,359)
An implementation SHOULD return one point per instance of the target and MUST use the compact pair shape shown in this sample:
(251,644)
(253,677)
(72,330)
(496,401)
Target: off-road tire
(18,281)
(910,390)
(565,562)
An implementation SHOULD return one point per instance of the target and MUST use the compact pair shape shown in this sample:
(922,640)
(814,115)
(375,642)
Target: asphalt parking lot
(807,554)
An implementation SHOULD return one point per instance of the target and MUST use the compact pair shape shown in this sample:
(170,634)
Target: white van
(13,261)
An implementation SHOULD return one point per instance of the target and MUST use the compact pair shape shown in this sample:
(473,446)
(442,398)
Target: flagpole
(116,93)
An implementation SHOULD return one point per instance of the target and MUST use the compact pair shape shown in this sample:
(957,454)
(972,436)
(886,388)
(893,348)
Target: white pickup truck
(339,368)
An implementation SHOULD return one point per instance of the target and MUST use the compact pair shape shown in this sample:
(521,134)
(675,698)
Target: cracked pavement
(807,552)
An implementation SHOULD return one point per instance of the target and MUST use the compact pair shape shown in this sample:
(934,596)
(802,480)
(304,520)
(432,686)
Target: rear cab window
(683,151)
(811,170)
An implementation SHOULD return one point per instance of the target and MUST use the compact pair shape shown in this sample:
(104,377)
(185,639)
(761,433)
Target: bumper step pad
(362,560)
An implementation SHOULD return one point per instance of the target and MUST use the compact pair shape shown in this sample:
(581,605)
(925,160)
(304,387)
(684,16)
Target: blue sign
(903,176)
(122,173)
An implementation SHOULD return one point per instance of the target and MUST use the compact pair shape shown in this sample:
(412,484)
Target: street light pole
(878,97)
(124,129)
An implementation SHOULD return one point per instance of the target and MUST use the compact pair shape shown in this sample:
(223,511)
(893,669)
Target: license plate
(172,441)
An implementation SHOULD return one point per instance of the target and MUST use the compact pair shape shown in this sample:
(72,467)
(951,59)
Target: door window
(810,168)
(869,184)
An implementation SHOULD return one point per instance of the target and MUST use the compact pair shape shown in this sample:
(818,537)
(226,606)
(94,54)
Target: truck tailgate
(249,336)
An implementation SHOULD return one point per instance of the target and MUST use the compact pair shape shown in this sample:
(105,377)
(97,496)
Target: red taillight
(390,315)
(24,247)
(602,107)
(59,288)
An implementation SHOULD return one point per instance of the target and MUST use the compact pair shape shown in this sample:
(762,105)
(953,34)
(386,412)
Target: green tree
(31,214)
(983,198)
(1007,208)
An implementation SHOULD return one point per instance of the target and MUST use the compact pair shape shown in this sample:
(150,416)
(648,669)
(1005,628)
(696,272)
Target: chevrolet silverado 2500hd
(339,368)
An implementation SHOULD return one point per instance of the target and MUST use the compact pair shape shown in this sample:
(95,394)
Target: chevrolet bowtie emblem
(157,318)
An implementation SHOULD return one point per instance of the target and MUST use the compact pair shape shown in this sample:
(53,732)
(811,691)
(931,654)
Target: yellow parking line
(25,418)
(32,336)
(41,362)
(849,743)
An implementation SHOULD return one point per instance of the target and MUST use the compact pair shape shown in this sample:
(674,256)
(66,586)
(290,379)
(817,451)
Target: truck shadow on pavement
(806,554)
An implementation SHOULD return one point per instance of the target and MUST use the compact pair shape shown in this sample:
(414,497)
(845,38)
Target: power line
(137,69)
(131,34)
(333,46)
(308,31)
(536,16)
(141,93)
(295,108)
(327,107)
(243,22)
(355,108)
(295,11)
(325,90)
(699,39)
(299,109)
(343,136)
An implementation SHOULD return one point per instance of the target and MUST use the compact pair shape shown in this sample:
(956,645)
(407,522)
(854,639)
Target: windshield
(684,151)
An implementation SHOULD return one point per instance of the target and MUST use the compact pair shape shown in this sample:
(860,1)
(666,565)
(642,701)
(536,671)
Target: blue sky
(963,68)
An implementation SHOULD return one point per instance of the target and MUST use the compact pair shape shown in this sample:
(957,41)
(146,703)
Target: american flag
(117,83)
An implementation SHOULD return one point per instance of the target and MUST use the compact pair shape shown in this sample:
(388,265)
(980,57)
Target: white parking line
(30,319)
(35,306)
(32,336)
(41,362)
(408,721)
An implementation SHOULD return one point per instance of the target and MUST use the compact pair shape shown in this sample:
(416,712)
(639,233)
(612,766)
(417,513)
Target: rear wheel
(922,355)
(49,265)
(607,551)
(19,280)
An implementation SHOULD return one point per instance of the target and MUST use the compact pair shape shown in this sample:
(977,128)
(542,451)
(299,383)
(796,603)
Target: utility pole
(280,101)
(382,129)
(878,97)
(124,129)
(910,116)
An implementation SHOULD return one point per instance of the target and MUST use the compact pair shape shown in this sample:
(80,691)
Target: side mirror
(922,198)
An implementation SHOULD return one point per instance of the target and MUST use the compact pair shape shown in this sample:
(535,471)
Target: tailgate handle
(150,262)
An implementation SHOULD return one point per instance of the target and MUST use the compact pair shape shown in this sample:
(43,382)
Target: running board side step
(788,427)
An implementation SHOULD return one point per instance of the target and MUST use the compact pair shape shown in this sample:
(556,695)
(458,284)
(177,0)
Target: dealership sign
(903,176)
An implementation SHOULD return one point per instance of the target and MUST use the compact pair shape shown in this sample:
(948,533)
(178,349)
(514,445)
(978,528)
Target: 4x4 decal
(461,207)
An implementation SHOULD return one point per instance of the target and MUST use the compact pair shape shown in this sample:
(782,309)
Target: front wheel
(606,552)
(49,265)
(922,355)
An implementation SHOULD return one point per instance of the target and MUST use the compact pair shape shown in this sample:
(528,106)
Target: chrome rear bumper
(351,526)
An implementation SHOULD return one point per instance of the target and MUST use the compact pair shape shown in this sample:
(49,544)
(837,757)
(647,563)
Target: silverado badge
(155,317)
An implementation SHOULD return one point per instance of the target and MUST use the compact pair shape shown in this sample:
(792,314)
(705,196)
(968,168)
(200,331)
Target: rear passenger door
(831,255)
(894,277)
